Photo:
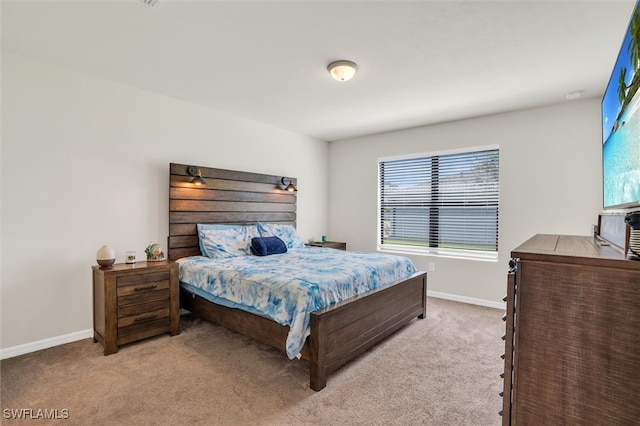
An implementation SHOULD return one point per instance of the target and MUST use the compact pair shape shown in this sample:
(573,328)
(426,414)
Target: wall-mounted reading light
(289,186)
(197,175)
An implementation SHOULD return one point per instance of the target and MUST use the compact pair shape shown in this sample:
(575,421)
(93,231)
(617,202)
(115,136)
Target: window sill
(483,256)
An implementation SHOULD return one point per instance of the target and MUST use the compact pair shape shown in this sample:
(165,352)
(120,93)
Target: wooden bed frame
(339,333)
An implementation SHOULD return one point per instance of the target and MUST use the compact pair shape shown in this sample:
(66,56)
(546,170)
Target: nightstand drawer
(143,317)
(129,310)
(143,291)
(128,280)
(145,329)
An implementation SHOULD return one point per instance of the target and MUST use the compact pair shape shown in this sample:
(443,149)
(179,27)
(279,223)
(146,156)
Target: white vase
(106,256)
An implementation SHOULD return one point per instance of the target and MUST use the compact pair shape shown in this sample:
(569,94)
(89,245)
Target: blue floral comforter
(288,287)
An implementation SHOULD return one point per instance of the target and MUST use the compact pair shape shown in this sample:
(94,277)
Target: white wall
(85,162)
(550,182)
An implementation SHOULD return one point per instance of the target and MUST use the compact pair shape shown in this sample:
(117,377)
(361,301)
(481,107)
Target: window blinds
(440,202)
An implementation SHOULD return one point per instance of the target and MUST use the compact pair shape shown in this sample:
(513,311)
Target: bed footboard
(343,331)
(339,333)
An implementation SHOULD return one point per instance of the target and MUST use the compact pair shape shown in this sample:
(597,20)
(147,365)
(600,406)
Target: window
(440,204)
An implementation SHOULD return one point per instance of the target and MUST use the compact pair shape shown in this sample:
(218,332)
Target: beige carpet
(443,370)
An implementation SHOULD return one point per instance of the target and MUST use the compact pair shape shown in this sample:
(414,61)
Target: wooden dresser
(134,301)
(572,343)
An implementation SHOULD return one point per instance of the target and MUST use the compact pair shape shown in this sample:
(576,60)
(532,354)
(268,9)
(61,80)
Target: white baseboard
(464,299)
(85,334)
(45,343)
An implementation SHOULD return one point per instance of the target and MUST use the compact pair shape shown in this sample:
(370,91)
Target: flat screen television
(621,124)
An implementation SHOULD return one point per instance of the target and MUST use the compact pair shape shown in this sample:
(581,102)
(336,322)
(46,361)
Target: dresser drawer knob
(149,287)
(147,318)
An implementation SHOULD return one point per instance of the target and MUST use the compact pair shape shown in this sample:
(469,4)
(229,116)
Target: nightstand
(134,301)
(331,244)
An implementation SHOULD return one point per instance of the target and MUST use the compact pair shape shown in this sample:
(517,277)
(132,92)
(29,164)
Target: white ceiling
(421,62)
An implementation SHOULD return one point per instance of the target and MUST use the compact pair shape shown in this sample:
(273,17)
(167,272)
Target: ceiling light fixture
(342,70)
(574,95)
(149,2)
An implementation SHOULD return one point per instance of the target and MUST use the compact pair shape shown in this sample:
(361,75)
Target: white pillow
(207,226)
(227,242)
(286,233)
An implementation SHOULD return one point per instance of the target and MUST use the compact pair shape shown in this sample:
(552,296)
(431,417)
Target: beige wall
(85,163)
(550,182)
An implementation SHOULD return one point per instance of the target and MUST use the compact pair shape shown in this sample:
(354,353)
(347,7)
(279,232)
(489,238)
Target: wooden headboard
(229,197)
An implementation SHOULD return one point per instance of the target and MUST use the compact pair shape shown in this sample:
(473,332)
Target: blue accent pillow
(265,246)
(286,233)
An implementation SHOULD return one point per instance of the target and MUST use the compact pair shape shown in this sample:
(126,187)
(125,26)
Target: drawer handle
(147,318)
(149,287)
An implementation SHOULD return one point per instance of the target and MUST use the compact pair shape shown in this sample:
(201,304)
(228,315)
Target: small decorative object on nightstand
(154,253)
(331,244)
(106,256)
(134,301)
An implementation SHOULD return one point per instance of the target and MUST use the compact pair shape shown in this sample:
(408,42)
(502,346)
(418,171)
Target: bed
(336,333)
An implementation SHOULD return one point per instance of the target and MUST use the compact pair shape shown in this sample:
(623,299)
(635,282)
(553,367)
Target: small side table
(331,244)
(134,301)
